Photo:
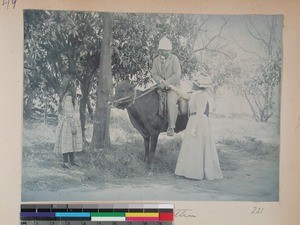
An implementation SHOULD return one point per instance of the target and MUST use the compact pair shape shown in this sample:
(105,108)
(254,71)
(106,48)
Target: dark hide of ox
(142,109)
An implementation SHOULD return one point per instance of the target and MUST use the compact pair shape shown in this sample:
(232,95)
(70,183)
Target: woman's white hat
(203,80)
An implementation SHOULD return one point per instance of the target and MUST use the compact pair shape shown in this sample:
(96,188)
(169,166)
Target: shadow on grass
(254,147)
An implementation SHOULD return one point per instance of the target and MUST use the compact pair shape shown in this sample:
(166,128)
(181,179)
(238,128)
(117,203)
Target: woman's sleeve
(68,107)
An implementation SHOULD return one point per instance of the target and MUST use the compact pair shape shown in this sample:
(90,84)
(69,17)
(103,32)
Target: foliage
(67,44)
(136,40)
(58,51)
(64,46)
(258,89)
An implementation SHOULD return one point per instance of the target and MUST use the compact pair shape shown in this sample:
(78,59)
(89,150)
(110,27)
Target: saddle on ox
(183,108)
(163,109)
(183,111)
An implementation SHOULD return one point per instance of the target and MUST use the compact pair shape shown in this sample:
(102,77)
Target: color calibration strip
(96,214)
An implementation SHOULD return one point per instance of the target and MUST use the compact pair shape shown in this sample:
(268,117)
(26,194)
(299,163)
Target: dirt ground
(248,153)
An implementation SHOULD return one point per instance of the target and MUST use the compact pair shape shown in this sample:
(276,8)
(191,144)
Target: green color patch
(108,214)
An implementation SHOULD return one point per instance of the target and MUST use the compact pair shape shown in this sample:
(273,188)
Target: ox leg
(153,144)
(147,144)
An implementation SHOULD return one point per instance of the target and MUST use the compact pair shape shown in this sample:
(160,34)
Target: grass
(124,160)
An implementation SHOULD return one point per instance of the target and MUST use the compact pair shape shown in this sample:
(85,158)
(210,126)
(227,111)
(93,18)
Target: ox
(143,111)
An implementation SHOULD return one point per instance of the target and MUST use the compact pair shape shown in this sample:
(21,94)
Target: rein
(133,97)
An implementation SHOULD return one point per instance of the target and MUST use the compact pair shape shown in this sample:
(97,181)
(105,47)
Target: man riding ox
(166,70)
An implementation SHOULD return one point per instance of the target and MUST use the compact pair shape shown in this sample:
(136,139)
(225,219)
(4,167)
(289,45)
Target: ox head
(124,95)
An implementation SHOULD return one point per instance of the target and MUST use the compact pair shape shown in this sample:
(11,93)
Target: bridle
(129,98)
(132,98)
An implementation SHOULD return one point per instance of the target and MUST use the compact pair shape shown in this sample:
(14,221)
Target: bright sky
(235,33)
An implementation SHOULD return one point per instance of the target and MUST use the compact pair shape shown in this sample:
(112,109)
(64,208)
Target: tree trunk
(46,113)
(251,106)
(269,102)
(28,106)
(82,108)
(101,138)
(46,108)
(90,109)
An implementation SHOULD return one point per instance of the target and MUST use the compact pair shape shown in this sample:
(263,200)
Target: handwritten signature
(8,2)
(184,213)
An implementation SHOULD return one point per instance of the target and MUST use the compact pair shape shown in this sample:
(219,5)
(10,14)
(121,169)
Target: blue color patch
(72,214)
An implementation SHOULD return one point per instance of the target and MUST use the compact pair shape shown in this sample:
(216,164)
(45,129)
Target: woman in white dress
(198,158)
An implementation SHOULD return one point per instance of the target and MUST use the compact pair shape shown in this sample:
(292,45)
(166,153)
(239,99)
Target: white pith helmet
(165,44)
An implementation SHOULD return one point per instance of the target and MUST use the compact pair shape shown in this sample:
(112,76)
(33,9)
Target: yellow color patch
(141,214)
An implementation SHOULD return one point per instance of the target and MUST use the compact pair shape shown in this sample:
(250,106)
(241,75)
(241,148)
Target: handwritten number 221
(6,2)
(257,210)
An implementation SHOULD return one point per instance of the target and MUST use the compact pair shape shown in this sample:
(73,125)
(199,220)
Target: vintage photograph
(145,106)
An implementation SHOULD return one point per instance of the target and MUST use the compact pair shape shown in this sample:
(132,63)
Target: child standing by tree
(68,133)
